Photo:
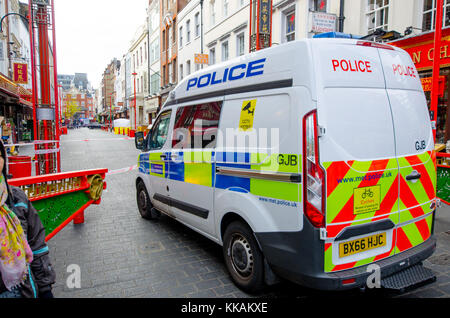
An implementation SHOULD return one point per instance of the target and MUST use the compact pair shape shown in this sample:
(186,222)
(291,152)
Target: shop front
(421,50)
(150,109)
(16,112)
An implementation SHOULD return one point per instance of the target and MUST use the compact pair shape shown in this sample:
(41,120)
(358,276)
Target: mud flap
(270,278)
(409,278)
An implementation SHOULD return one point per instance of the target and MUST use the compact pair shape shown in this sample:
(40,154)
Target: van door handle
(163,157)
(413,176)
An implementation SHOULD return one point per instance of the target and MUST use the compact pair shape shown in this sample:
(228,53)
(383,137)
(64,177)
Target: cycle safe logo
(367,199)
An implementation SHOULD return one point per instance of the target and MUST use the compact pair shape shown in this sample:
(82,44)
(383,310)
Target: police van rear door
(357,151)
(414,147)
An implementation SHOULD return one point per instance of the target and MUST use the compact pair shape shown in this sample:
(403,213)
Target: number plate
(362,245)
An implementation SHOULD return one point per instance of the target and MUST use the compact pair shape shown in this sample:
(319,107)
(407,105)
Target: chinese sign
(421,49)
(265,16)
(428,81)
(20,73)
(260,24)
(323,22)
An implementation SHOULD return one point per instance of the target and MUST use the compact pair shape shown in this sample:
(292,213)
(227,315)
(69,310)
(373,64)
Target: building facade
(168,45)
(226,32)
(139,77)
(16,109)
(153,99)
(77,104)
(108,93)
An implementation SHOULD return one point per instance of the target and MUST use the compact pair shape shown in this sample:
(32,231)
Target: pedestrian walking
(25,268)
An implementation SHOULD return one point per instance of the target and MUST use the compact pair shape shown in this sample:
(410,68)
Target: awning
(8,87)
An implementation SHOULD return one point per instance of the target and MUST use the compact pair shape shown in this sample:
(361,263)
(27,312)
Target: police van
(312,161)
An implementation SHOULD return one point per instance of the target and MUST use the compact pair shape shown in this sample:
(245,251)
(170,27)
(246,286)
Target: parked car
(94,125)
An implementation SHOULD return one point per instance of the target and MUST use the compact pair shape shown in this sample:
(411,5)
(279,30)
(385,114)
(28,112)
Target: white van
(310,161)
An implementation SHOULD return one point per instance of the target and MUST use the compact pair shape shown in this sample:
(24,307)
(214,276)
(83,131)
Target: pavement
(122,255)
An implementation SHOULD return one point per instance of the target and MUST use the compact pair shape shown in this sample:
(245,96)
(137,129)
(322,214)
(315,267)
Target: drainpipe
(341,16)
(201,27)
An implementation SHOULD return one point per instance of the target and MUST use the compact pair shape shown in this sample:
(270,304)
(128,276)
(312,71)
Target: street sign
(201,59)
(323,22)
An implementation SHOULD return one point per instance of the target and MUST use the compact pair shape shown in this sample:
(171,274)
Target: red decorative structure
(436,64)
(63,197)
(45,95)
(443,178)
(260,24)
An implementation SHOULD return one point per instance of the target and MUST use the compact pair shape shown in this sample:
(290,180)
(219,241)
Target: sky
(90,33)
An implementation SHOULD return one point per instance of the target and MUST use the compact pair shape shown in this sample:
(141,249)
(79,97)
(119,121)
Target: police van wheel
(144,204)
(243,258)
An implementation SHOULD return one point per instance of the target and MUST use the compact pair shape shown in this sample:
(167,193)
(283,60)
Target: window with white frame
(318,5)
(170,72)
(155,81)
(180,36)
(188,67)
(241,3)
(197,24)
(225,52)
(212,56)
(377,15)
(429,14)
(240,44)
(289,25)
(181,72)
(225,8)
(212,14)
(154,51)
(188,31)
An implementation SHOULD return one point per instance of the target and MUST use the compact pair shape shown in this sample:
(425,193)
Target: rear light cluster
(314,188)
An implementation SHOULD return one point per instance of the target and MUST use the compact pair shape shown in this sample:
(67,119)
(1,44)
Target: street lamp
(110,110)
(134,74)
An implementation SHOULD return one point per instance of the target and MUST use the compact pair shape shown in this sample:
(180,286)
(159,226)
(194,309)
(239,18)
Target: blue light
(336,35)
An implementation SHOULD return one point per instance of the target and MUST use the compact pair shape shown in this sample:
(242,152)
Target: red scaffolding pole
(436,64)
(45,92)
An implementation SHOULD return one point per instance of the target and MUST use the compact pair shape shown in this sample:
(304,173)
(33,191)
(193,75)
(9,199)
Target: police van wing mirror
(139,140)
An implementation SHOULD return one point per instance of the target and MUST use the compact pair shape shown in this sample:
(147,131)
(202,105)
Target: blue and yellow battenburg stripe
(199,167)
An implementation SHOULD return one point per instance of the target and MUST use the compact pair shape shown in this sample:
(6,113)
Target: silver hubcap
(241,255)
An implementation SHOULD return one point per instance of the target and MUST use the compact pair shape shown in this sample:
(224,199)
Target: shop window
(429,14)
(443,113)
(377,15)
(196,126)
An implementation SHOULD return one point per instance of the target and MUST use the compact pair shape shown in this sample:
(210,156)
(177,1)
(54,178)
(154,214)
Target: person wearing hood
(25,268)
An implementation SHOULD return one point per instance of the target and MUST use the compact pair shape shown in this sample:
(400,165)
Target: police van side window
(196,126)
(159,131)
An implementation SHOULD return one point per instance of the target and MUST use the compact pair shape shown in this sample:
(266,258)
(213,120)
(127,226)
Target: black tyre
(144,204)
(243,258)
